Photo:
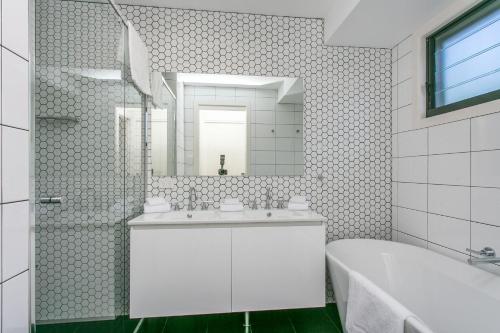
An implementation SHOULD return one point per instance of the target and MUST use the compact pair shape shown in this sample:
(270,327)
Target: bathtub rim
(346,268)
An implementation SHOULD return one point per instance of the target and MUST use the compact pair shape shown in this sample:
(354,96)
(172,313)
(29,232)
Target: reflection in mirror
(162,124)
(221,140)
(212,124)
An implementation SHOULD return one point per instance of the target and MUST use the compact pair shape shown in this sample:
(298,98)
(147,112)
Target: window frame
(431,109)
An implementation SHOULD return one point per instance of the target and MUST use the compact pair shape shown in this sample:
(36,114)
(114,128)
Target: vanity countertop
(218,217)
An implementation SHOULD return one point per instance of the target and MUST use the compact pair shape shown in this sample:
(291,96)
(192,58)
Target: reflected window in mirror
(221,140)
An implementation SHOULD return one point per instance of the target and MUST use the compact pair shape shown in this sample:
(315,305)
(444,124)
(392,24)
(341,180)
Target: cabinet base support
(246,324)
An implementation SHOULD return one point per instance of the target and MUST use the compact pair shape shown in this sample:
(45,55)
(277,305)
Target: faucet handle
(253,204)
(281,203)
(486,252)
(206,204)
(175,206)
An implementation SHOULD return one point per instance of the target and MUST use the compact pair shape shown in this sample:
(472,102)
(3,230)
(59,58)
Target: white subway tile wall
(14,182)
(446,179)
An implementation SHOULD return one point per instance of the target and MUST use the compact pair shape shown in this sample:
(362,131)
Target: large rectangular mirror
(213,124)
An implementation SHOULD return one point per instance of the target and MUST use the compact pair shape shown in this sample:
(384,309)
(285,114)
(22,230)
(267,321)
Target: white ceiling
(374,23)
(382,23)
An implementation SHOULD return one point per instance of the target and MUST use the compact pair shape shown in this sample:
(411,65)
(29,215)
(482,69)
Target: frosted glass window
(464,60)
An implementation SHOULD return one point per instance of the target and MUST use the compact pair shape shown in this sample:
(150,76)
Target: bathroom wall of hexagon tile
(347,117)
(347,133)
(347,104)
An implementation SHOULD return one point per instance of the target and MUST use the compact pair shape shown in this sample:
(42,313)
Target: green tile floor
(316,320)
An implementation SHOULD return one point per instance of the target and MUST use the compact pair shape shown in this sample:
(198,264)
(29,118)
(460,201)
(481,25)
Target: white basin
(218,217)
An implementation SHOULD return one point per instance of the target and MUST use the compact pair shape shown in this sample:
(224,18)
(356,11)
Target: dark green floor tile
(153,325)
(333,313)
(186,324)
(318,320)
(226,323)
(56,328)
(101,326)
(129,325)
(271,322)
(118,325)
(312,321)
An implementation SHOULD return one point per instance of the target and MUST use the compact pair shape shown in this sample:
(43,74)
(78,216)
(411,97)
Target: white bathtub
(447,295)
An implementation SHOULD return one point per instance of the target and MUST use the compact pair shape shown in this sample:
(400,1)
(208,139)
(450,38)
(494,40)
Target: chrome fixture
(51,200)
(247,324)
(268,198)
(281,203)
(175,206)
(269,214)
(59,118)
(189,215)
(488,255)
(117,10)
(205,205)
(253,204)
(192,199)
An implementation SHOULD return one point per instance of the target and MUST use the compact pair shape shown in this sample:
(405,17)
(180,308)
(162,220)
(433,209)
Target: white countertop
(219,217)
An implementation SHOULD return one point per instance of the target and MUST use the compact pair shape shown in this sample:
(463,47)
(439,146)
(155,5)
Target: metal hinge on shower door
(146,130)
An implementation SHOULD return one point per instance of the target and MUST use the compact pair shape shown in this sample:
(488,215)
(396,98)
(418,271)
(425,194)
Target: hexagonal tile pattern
(82,270)
(347,118)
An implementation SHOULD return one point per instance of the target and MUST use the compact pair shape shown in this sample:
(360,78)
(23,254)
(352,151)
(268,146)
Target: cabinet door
(179,271)
(278,267)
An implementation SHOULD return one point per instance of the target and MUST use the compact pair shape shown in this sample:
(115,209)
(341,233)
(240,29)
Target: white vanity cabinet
(278,267)
(177,271)
(230,264)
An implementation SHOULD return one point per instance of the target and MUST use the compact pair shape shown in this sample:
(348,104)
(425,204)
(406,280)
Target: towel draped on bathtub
(371,310)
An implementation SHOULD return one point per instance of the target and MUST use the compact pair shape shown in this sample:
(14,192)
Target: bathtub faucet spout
(488,255)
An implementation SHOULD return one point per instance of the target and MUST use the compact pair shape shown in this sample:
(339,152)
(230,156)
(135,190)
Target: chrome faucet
(192,199)
(253,204)
(268,198)
(488,256)
(281,203)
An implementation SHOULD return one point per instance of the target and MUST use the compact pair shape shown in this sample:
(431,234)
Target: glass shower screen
(89,166)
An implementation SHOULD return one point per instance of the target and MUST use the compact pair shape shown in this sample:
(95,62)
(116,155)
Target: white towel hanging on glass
(138,60)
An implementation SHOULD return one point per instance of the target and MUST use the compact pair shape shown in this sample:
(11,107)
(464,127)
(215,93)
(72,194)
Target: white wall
(446,183)
(15,145)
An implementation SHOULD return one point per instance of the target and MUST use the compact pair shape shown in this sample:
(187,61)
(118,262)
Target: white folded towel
(371,310)
(231,207)
(156,201)
(164,208)
(298,199)
(298,206)
(231,201)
